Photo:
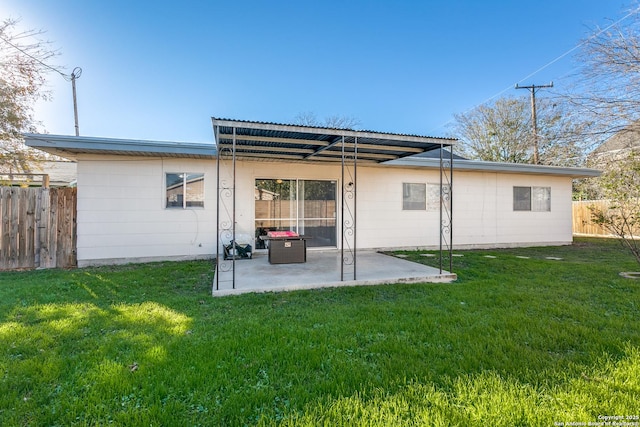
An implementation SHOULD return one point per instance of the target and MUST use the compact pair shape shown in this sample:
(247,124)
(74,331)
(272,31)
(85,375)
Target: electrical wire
(579,45)
(64,76)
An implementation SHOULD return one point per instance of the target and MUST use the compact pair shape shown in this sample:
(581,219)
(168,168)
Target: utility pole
(534,118)
(75,74)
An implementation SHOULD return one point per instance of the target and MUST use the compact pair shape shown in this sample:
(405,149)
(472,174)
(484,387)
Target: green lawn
(513,342)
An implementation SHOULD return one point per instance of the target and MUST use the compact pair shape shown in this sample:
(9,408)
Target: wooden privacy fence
(582,218)
(38,228)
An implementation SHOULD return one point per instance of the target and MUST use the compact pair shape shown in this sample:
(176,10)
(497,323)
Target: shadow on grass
(518,342)
(56,354)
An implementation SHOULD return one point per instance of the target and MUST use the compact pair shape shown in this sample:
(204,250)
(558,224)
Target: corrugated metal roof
(276,141)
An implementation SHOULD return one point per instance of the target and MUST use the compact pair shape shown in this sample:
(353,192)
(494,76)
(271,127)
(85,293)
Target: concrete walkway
(322,270)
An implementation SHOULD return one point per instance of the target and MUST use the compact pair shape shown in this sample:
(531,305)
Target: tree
(621,187)
(606,94)
(501,132)
(309,118)
(606,91)
(23,70)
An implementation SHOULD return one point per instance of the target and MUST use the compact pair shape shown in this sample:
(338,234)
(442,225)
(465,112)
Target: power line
(75,74)
(65,76)
(633,12)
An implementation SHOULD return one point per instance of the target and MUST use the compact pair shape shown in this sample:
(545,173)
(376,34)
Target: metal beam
(364,155)
(326,147)
(270,148)
(274,139)
(385,148)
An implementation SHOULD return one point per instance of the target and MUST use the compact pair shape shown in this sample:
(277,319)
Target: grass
(514,342)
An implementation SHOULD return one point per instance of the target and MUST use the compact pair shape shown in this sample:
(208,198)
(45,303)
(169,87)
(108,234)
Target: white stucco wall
(484,215)
(121,213)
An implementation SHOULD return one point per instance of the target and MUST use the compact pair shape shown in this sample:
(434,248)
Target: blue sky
(161,69)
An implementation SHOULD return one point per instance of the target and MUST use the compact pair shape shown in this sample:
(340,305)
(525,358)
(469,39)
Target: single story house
(152,200)
(47,173)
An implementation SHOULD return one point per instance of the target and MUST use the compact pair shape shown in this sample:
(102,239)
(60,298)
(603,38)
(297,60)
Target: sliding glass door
(307,207)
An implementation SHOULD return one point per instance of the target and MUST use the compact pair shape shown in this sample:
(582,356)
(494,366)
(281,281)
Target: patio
(322,270)
(243,141)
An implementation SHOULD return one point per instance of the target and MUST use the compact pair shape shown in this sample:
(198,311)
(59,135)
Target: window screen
(414,196)
(536,199)
(521,198)
(541,199)
(433,197)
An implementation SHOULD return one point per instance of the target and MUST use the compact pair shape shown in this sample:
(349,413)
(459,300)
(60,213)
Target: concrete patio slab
(322,270)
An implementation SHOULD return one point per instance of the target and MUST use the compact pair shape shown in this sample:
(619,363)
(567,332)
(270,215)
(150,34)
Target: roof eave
(484,166)
(71,146)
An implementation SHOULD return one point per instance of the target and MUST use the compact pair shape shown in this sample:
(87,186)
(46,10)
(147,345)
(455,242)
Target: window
(185,190)
(305,206)
(414,197)
(433,197)
(536,199)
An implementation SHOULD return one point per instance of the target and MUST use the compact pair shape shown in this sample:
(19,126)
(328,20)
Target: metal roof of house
(483,166)
(275,141)
(70,146)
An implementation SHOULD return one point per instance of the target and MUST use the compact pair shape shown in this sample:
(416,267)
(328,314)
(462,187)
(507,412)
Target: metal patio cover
(262,141)
(280,142)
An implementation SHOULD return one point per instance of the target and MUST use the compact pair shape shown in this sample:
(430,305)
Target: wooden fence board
(5,236)
(38,228)
(53,228)
(65,253)
(582,218)
(14,222)
(46,261)
(30,208)
(22,256)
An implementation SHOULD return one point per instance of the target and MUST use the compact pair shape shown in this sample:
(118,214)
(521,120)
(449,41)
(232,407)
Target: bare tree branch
(24,64)
(309,118)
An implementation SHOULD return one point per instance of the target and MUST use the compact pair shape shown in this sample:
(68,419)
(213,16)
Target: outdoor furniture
(236,250)
(286,247)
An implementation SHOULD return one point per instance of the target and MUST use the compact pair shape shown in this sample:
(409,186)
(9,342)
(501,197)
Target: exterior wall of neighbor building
(122,215)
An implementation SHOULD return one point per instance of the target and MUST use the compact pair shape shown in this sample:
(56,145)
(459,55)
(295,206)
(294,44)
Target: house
(48,173)
(616,147)
(153,200)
